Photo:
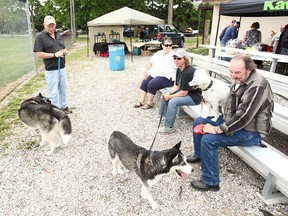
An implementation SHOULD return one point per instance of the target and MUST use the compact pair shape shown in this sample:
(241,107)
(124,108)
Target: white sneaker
(165,130)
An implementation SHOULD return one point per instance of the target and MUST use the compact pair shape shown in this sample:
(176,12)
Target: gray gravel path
(77,179)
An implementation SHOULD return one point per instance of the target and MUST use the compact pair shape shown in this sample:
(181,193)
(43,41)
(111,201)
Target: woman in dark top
(180,94)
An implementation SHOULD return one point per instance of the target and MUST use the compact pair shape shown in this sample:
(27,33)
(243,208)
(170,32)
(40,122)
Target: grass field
(15,58)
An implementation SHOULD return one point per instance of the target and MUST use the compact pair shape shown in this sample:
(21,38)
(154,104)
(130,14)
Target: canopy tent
(124,17)
(255,8)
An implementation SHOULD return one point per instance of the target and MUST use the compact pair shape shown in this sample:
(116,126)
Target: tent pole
(199,15)
(131,49)
(218,23)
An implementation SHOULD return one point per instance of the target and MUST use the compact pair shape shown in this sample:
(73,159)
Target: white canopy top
(125,16)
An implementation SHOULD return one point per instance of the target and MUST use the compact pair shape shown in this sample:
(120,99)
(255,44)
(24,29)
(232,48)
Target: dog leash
(158,126)
(157,130)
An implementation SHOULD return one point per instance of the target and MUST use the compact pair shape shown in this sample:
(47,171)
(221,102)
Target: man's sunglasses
(167,45)
(177,58)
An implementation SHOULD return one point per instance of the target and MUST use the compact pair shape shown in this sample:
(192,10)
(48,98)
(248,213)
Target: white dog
(214,91)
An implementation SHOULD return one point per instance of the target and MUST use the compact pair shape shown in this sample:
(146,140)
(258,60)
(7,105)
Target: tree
(11,17)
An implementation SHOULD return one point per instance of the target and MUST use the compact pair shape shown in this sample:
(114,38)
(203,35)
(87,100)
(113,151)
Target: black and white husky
(37,113)
(150,166)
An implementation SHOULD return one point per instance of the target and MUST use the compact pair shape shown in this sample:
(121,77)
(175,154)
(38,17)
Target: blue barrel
(116,57)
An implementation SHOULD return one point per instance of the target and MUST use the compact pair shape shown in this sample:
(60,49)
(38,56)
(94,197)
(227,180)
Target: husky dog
(38,113)
(214,91)
(149,165)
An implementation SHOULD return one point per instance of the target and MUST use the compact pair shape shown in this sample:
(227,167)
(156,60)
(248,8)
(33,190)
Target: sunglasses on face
(167,45)
(177,58)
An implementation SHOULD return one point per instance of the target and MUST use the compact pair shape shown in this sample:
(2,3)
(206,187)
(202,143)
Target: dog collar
(209,86)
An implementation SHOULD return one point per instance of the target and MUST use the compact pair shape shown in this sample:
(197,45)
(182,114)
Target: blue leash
(59,66)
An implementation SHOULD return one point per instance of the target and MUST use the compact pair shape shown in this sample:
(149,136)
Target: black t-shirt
(45,43)
(182,80)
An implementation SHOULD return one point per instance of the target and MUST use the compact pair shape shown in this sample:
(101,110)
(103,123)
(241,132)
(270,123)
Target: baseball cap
(48,20)
(233,21)
(180,53)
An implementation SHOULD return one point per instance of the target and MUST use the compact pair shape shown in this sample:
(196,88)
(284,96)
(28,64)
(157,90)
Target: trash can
(136,51)
(116,57)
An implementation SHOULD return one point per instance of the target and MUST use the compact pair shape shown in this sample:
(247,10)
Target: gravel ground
(77,179)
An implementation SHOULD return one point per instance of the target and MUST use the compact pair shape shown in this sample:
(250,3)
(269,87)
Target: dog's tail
(64,124)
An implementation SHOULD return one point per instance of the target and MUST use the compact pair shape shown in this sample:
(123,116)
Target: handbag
(199,129)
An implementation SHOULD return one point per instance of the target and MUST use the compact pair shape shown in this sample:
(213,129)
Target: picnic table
(256,55)
(146,44)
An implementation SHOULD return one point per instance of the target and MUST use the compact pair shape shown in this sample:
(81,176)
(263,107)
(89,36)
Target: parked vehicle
(160,31)
(128,31)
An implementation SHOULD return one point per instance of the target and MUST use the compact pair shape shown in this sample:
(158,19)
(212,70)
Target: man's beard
(237,81)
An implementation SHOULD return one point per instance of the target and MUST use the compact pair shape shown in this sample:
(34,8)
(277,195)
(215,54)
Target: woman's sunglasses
(177,58)
(167,45)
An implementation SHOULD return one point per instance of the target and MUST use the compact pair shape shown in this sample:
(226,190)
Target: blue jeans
(206,147)
(57,86)
(170,108)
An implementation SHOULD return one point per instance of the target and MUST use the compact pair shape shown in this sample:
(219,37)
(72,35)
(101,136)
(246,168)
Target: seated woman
(159,73)
(180,94)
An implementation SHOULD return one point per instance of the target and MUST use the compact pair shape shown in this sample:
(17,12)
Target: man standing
(230,33)
(246,121)
(50,47)
(224,30)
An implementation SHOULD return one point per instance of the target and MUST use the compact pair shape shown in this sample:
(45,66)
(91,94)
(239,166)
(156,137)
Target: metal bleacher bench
(267,161)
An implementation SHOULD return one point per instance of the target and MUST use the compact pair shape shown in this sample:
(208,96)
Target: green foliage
(199,50)
(11,17)
(186,15)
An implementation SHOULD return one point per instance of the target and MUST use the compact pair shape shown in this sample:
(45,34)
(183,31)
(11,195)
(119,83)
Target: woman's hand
(166,97)
(146,75)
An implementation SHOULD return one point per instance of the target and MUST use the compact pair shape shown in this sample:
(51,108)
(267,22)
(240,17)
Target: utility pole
(72,21)
(170,12)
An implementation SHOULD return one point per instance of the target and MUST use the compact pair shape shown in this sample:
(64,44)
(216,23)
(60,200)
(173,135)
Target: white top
(163,65)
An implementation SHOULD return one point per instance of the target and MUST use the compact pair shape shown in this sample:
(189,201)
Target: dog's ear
(177,146)
(40,95)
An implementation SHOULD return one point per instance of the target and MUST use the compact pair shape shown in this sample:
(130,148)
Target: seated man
(246,121)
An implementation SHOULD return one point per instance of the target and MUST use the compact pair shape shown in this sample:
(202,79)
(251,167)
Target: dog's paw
(215,119)
(120,171)
(153,204)
(204,114)
(114,172)
(50,152)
